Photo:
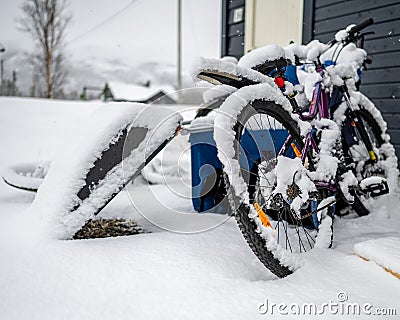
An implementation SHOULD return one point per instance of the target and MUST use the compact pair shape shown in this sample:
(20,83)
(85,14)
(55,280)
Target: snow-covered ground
(163,275)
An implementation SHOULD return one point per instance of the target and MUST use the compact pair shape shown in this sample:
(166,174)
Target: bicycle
(261,192)
(365,143)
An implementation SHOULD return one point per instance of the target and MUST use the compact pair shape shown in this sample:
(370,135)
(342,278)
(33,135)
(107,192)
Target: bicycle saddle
(265,59)
(220,71)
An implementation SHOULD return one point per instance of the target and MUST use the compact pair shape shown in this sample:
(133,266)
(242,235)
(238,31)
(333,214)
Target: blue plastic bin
(206,167)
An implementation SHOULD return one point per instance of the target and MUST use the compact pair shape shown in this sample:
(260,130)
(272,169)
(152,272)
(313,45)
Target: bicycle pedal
(375,186)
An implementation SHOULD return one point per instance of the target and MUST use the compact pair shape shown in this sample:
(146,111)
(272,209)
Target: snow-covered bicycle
(283,197)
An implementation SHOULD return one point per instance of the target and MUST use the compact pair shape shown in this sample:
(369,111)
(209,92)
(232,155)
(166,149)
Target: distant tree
(46,21)
(10,87)
(14,88)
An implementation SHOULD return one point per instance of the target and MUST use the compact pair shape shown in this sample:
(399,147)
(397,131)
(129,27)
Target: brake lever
(368,60)
(367,33)
(361,38)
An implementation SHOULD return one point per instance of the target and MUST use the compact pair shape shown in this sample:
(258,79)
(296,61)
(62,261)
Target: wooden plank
(397,150)
(236,30)
(224,38)
(235,46)
(325,3)
(345,8)
(394,136)
(378,45)
(385,22)
(372,45)
(386,75)
(236,3)
(384,60)
(392,120)
(308,21)
(388,105)
(325,37)
(384,251)
(393,273)
(381,91)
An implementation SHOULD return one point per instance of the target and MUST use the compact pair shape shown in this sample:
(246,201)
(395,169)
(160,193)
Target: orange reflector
(178,130)
(296,150)
(353,124)
(261,214)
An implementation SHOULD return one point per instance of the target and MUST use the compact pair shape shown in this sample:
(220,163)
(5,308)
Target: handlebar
(360,26)
(351,33)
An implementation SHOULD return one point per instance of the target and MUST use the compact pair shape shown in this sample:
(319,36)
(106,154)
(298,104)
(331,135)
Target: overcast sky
(126,32)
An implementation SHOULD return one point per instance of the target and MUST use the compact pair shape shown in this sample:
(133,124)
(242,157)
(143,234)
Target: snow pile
(384,251)
(308,80)
(135,92)
(216,92)
(223,66)
(315,49)
(325,228)
(230,59)
(346,183)
(348,60)
(26,175)
(206,122)
(309,51)
(261,55)
(327,162)
(172,163)
(289,171)
(57,196)
(342,35)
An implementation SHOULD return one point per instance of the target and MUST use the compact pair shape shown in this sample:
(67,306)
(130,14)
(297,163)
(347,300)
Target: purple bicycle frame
(318,106)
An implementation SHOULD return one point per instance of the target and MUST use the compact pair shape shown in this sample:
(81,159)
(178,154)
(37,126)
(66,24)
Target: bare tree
(46,21)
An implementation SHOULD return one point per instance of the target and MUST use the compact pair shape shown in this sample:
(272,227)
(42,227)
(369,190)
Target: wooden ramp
(385,252)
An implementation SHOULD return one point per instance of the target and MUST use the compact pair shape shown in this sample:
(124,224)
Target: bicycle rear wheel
(356,153)
(276,234)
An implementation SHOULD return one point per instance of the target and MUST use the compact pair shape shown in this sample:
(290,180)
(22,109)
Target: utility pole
(1,76)
(14,83)
(2,49)
(179,62)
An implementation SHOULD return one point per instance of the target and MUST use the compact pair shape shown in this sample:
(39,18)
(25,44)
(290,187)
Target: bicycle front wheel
(275,233)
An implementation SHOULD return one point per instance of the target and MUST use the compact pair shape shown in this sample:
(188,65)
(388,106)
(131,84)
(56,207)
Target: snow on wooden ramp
(385,252)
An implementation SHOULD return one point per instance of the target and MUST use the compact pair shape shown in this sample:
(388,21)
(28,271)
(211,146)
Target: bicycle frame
(318,106)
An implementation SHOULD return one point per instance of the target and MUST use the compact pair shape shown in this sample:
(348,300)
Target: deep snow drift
(180,275)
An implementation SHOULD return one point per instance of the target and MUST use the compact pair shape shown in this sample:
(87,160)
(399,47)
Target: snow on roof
(135,92)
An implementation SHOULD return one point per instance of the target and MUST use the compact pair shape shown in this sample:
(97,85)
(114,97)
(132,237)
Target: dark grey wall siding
(381,82)
(232,28)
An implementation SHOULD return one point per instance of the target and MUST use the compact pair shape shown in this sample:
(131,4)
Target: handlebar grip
(361,26)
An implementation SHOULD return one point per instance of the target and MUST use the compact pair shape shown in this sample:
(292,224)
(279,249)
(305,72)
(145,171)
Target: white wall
(272,21)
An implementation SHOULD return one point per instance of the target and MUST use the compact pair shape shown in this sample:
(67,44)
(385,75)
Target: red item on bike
(279,82)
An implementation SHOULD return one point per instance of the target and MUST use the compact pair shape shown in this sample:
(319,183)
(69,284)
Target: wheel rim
(292,233)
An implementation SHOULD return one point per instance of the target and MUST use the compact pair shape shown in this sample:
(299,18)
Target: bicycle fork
(354,116)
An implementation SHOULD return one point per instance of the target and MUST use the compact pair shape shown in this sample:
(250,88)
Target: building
(118,91)
(249,24)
